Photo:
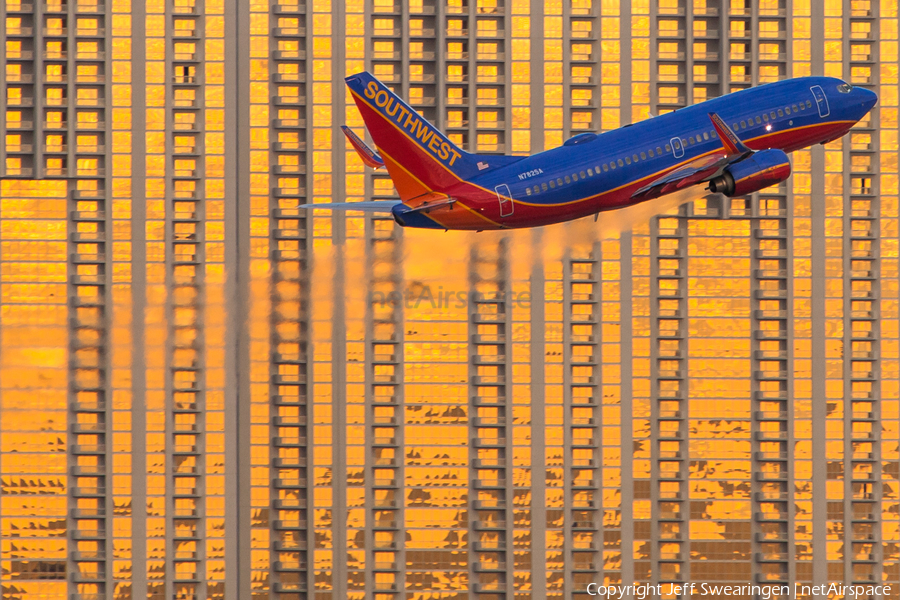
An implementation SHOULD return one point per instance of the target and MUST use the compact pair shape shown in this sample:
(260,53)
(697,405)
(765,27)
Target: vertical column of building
(79,28)
(490,483)
(121,278)
(34,389)
(265,309)
(738,56)
(797,296)
(386,556)
(520,26)
(215,317)
(708,49)
(836,384)
(356,307)
(525,420)
(451,68)
(763,37)
(287,504)
(830,232)
(193,240)
(20,38)
(323,312)
(889,310)
(53,102)
(553,74)
(673,44)
(771,417)
(581,91)
(769,40)
(669,411)
(642,398)
(557,480)
(490,35)
(861,209)
(610,386)
(583,547)
(641,312)
(156,321)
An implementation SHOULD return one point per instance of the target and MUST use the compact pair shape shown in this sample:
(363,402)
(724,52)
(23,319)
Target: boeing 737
(735,145)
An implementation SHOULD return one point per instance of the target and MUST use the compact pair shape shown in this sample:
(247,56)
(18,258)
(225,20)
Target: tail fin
(419,158)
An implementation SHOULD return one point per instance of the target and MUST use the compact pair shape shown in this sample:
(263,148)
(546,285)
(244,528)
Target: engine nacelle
(758,171)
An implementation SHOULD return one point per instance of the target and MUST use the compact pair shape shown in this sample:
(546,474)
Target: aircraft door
(505,198)
(821,101)
(677,147)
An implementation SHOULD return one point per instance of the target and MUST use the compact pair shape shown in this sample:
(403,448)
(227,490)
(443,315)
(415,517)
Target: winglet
(733,144)
(368,156)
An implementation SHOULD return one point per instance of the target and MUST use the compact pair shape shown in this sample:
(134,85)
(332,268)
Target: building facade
(206,392)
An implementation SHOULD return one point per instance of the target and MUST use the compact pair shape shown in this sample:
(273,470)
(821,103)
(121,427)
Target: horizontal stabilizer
(369,206)
(368,156)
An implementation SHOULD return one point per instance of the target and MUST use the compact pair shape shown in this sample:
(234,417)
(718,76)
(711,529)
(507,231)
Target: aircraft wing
(700,169)
(693,172)
(370,206)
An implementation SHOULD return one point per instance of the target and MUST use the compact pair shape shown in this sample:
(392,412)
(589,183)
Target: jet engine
(757,171)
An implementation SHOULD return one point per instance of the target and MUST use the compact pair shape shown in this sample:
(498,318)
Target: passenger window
(544,187)
(627,160)
(643,156)
(582,174)
(621,164)
(758,120)
(559,181)
(568,179)
(808,104)
(634,157)
(590,172)
(787,110)
(552,184)
(794,107)
(735,126)
(706,135)
(668,147)
(659,150)
(650,152)
(780,113)
(766,118)
(605,167)
(536,189)
(527,191)
(743,124)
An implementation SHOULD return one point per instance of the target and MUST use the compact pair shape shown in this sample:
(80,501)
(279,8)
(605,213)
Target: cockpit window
(845,88)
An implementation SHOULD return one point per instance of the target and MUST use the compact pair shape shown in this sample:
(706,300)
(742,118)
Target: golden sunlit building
(206,392)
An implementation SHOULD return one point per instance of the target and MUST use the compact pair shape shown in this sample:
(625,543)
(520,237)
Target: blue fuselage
(592,173)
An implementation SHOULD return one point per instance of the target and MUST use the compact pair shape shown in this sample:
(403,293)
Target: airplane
(735,144)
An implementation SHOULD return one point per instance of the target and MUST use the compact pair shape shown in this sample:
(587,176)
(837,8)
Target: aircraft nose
(868,99)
